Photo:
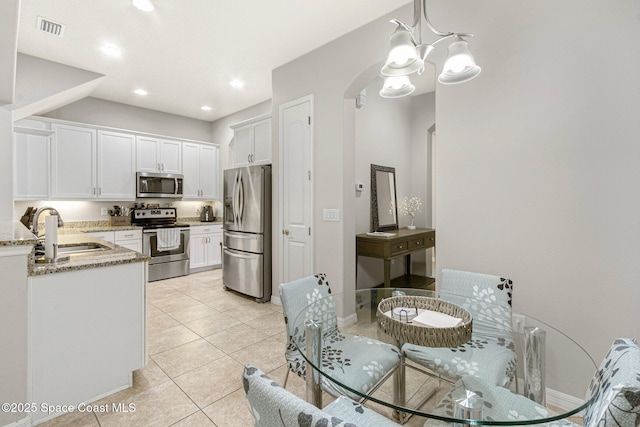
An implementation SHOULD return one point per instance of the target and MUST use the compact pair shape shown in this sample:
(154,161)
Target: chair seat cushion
(500,404)
(492,359)
(356,362)
(353,412)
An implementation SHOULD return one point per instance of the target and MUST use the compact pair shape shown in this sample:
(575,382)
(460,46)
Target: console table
(403,243)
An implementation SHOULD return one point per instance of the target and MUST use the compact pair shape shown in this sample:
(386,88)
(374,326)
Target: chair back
(297,295)
(615,387)
(487,298)
(271,405)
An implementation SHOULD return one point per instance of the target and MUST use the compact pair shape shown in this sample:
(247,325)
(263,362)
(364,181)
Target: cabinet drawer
(399,247)
(417,243)
(128,234)
(206,229)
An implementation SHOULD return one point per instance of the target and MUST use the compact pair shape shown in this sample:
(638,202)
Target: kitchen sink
(81,248)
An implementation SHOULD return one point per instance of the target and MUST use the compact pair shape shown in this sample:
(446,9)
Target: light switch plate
(104,211)
(331,214)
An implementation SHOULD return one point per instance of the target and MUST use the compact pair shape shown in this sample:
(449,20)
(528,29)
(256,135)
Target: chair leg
(286,377)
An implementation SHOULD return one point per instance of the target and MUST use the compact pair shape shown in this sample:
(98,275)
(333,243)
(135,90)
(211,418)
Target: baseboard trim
(346,321)
(25,422)
(562,400)
(275,299)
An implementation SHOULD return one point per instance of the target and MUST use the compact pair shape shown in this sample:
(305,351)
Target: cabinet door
(197,251)
(208,172)
(73,162)
(31,168)
(147,154)
(262,142)
(243,145)
(170,156)
(215,249)
(116,166)
(191,168)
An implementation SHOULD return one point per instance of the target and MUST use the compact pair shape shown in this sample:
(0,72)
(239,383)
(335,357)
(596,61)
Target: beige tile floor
(199,338)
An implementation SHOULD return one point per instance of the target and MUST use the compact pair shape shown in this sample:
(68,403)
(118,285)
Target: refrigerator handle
(238,254)
(234,201)
(241,197)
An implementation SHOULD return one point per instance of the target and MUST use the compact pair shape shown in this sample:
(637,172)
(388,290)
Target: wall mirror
(384,206)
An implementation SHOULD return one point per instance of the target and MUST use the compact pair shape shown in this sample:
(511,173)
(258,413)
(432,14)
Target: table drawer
(399,247)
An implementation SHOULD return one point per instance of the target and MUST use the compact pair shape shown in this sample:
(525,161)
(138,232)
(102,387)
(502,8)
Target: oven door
(150,247)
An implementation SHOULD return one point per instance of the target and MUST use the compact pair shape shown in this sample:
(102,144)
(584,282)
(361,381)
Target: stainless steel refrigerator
(246,257)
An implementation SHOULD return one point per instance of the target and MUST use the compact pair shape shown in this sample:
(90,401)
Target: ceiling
(186,53)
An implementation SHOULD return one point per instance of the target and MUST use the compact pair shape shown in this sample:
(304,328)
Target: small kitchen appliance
(206,214)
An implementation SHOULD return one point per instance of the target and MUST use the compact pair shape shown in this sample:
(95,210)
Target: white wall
(6,164)
(113,114)
(537,160)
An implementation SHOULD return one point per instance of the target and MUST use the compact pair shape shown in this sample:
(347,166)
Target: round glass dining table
(547,366)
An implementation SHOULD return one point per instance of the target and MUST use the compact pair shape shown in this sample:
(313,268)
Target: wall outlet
(518,323)
(197,211)
(104,211)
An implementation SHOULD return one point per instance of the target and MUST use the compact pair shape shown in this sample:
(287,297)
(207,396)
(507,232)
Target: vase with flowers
(410,206)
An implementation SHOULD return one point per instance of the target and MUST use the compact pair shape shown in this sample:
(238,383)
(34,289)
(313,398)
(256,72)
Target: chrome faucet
(34,223)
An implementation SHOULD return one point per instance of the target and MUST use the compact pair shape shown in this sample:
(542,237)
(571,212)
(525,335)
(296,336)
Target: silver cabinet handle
(158,167)
(94,191)
(163,167)
(285,232)
(99,191)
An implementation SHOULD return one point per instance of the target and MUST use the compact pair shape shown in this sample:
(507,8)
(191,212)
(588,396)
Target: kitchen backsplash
(91,211)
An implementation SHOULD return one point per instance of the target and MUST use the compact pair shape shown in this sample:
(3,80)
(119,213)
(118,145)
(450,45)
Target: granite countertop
(195,223)
(80,261)
(14,233)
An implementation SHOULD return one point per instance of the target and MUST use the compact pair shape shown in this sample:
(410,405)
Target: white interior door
(296,188)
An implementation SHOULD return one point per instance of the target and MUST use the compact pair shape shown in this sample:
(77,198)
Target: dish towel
(168,239)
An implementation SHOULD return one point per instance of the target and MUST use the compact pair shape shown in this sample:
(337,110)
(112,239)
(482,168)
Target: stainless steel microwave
(155,185)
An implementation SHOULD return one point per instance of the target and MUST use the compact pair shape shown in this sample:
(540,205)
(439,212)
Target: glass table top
(566,368)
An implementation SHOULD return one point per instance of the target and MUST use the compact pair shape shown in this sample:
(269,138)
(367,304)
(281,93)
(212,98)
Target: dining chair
(490,353)
(358,362)
(614,392)
(272,405)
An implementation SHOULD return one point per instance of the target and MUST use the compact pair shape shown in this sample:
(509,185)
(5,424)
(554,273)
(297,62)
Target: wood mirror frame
(384,206)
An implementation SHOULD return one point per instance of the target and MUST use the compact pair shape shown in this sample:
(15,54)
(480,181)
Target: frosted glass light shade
(460,65)
(403,58)
(396,87)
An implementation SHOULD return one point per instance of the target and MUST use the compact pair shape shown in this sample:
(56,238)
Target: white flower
(410,205)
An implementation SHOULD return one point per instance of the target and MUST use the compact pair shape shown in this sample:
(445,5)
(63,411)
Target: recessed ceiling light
(144,5)
(141,92)
(111,49)
(205,108)
(236,83)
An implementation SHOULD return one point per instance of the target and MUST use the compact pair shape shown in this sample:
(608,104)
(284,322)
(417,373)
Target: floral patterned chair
(615,389)
(357,362)
(490,353)
(272,405)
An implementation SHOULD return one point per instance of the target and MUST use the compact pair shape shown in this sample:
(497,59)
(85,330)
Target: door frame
(310,99)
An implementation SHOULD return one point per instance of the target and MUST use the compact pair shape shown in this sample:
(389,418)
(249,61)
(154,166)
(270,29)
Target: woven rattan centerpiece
(415,333)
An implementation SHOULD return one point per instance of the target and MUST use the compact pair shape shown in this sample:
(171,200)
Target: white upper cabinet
(90,164)
(32,141)
(116,166)
(200,166)
(252,141)
(73,162)
(158,155)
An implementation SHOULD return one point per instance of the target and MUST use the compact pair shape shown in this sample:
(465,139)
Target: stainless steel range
(165,241)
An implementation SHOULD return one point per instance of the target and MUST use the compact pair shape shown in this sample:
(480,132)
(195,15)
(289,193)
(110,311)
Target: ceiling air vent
(50,27)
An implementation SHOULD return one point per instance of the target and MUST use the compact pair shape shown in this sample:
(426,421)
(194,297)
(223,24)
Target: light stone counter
(113,256)
(14,233)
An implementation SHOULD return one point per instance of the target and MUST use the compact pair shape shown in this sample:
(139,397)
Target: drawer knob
(418,243)
(400,247)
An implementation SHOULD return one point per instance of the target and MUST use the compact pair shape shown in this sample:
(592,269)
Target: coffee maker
(206,214)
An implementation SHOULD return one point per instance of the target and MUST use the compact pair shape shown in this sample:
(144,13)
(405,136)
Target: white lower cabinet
(205,247)
(130,239)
